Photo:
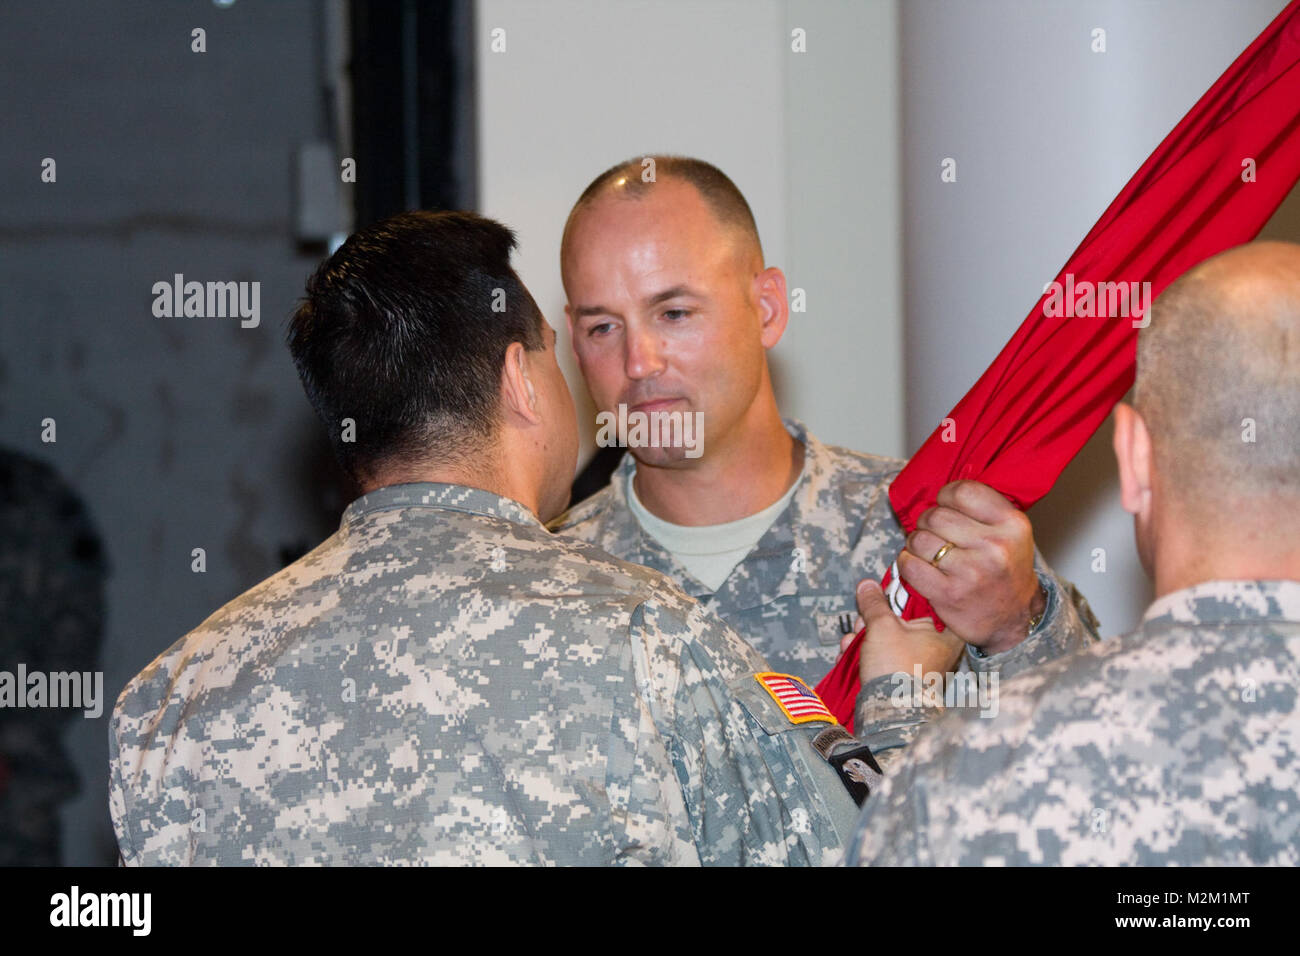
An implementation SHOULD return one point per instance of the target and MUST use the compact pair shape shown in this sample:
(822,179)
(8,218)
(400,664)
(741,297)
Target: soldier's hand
(892,645)
(984,586)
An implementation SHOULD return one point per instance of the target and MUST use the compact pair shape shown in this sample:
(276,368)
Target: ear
(518,395)
(774,306)
(1133,454)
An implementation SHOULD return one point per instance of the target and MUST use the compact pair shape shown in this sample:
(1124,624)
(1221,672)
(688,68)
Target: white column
(1044,132)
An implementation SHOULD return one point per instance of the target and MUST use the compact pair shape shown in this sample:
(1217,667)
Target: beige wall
(810,138)
(838,150)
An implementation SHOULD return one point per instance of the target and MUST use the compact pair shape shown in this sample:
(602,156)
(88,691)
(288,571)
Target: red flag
(1054,383)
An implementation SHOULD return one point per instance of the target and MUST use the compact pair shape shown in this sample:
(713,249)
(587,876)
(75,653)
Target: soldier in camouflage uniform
(650,271)
(1176,744)
(52,572)
(442,681)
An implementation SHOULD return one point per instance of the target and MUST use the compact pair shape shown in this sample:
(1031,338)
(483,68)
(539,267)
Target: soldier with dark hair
(443,681)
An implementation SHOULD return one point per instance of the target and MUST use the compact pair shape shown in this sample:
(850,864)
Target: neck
(740,473)
(485,474)
(1190,552)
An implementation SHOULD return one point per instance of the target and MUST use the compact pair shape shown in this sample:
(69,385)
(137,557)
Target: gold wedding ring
(947,546)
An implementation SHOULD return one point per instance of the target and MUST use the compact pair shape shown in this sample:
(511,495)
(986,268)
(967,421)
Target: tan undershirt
(710,552)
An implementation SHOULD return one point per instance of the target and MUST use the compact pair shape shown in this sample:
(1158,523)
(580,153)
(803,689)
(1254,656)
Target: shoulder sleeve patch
(797,700)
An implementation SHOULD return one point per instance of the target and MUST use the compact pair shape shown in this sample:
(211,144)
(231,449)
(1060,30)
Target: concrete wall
(178,433)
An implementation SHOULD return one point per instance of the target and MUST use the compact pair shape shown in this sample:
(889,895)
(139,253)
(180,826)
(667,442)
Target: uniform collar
(782,563)
(427,494)
(1212,601)
(787,561)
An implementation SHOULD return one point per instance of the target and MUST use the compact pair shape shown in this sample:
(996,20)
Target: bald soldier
(1177,743)
(672,311)
(442,681)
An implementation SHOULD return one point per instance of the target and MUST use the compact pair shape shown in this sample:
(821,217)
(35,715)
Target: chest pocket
(820,620)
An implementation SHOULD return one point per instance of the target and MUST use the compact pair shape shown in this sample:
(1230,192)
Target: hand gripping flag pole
(1054,383)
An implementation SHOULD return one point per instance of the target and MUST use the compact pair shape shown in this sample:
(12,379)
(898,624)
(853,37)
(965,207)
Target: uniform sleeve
(117,798)
(890,711)
(1068,625)
(898,826)
(976,788)
(755,791)
(893,830)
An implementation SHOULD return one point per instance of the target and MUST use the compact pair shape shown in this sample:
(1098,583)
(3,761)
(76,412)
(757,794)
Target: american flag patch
(799,702)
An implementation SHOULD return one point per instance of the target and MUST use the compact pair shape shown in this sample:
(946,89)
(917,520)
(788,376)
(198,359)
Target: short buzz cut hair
(404,330)
(724,199)
(1218,384)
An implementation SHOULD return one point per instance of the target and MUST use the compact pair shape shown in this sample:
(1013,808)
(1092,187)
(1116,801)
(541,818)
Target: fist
(892,645)
(984,586)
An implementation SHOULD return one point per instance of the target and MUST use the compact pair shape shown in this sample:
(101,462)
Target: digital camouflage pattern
(52,574)
(793,595)
(1174,745)
(444,682)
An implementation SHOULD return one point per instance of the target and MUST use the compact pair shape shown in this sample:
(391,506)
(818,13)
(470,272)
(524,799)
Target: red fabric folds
(1054,383)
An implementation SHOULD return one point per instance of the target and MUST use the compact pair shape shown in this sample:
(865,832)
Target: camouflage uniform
(52,573)
(1176,744)
(792,596)
(443,682)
